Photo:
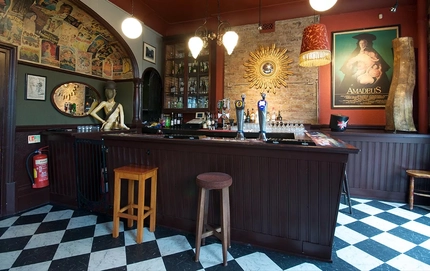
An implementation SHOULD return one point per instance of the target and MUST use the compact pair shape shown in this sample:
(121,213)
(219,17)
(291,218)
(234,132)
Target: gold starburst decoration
(268,68)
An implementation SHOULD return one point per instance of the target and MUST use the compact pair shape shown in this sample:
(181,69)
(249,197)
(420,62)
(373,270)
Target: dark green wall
(30,112)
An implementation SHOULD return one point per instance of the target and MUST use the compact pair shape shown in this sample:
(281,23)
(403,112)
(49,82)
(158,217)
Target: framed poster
(35,87)
(362,67)
(148,52)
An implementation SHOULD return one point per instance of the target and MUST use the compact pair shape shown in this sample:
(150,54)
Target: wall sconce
(394,8)
(322,5)
(131,27)
(315,50)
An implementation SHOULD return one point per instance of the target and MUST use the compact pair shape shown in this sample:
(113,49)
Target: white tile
(417,227)
(130,236)
(74,248)
(45,239)
(33,267)
(156,264)
(361,200)
(404,262)
(358,258)
(368,209)
(379,223)
(344,219)
(42,210)
(173,244)
(59,215)
(404,213)
(20,230)
(106,228)
(348,235)
(211,255)
(426,244)
(8,222)
(107,259)
(82,221)
(257,261)
(304,267)
(8,258)
(393,242)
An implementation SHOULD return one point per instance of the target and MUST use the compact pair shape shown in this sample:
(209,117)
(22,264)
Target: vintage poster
(362,67)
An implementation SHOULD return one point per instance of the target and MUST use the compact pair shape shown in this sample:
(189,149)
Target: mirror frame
(56,89)
(255,68)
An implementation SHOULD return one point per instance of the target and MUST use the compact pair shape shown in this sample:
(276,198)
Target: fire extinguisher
(39,178)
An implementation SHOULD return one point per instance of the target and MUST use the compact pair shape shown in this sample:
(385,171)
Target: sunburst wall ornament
(267,68)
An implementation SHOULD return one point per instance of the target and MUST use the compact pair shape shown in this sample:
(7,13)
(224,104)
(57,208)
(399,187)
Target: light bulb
(131,28)
(229,39)
(322,5)
(195,44)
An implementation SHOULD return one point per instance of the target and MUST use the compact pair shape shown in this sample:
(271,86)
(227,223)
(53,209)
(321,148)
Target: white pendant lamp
(229,40)
(131,27)
(196,45)
(322,5)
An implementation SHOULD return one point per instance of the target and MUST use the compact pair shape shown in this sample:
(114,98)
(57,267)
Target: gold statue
(113,110)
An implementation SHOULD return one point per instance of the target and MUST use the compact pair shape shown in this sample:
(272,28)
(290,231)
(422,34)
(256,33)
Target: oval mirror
(75,99)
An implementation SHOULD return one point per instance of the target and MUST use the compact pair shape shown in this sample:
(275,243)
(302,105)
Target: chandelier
(224,36)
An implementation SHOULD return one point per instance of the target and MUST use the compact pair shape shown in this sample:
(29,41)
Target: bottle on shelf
(172,89)
(181,86)
(273,118)
(252,115)
(173,121)
(279,117)
(180,103)
(248,117)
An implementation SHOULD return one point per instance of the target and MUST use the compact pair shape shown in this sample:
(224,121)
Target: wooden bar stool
(135,173)
(423,174)
(206,182)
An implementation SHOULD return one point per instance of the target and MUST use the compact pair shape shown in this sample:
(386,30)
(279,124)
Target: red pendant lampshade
(315,49)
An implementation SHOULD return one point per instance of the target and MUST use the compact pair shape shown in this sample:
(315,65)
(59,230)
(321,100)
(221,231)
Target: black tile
(182,261)
(385,267)
(50,226)
(380,205)
(408,235)
(29,219)
(238,250)
(106,242)
(3,230)
(339,244)
(420,254)
(357,214)
(231,266)
(142,252)
(78,263)
(377,250)
(120,268)
(364,228)
(395,219)
(56,208)
(423,220)
(35,255)
(12,244)
(78,233)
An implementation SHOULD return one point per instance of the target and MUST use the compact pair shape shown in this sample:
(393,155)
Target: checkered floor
(378,236)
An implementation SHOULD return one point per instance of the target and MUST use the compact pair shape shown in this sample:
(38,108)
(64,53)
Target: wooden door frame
(8,63)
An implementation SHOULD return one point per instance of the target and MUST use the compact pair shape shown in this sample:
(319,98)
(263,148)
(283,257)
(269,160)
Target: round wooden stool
(206,182)
(423,174)
(135,173)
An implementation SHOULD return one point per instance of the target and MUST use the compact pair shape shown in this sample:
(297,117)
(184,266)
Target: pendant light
(131,27)
(322,5)
(315,50)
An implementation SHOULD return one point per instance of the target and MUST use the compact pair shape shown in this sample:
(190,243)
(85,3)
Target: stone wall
(298,102)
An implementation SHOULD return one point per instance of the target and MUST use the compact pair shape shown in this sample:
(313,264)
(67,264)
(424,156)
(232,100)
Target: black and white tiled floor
(378,236)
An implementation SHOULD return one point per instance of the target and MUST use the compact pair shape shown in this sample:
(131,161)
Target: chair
(422,174)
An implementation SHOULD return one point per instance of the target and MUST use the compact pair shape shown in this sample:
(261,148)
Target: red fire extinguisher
(39,178)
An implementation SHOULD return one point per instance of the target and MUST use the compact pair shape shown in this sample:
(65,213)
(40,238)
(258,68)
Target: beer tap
(240,108)
(262,111)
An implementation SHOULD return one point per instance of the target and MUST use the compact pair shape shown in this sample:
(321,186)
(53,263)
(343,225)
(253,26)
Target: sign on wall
(362,67)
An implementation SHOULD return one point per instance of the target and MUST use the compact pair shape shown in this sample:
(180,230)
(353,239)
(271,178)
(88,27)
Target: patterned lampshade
(315,49)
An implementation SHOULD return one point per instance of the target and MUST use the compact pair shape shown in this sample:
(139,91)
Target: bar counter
(284,197)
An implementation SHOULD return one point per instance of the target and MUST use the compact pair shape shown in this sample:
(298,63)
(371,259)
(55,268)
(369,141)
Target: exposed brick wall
(298,102)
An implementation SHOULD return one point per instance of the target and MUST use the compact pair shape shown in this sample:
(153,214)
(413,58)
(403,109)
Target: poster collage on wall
(58,34)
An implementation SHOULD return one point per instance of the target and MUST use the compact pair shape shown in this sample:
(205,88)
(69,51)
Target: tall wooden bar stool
(206,182)
(422,174)
(133,211)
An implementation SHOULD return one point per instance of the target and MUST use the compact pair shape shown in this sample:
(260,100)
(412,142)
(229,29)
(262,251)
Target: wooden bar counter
(283,197)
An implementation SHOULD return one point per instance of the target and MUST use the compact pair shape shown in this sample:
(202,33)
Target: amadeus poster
(362,67)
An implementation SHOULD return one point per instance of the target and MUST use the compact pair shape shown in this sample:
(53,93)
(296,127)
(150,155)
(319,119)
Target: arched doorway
(152,89)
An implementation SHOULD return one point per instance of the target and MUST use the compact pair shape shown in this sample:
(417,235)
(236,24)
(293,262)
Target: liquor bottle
(179,121)
(172,89)
(181,86)
(273,114)
(279,117)
(173,121)
(252,115)
(248,117)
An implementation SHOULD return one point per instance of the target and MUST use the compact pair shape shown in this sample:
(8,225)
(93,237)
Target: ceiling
(165,15)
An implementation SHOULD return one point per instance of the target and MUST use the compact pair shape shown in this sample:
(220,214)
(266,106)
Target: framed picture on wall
(362,67)
(148,52)
(35,87)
